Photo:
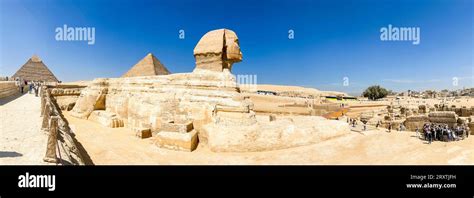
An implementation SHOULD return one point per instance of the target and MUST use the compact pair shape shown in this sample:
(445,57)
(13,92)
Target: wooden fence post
(46,117)
(42,106)
(52,141)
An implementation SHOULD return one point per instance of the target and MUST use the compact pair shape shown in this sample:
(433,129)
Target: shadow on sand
(10,154)
(8,99)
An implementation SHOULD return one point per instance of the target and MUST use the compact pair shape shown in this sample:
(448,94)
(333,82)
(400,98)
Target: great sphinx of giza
(205,105)
(217,51)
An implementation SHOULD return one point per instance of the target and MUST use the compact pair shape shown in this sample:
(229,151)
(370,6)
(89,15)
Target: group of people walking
(438,132)
(353,122)
(32,86)
(430,131)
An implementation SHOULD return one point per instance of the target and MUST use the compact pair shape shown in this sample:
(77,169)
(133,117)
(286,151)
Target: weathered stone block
(413,122)
(142,132)
(107,119)
(465,112)
(177,141)
(182,127)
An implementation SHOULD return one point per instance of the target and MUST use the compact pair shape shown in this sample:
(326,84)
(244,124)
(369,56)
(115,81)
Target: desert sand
(108,146)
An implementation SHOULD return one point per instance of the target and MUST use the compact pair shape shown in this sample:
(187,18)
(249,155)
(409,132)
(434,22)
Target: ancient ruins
(205,106)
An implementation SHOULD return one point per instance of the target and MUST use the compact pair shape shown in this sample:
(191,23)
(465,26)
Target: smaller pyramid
(148,66)
(35,70)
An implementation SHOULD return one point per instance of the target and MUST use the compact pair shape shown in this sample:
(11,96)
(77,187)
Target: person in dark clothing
(429,136)
(35,88)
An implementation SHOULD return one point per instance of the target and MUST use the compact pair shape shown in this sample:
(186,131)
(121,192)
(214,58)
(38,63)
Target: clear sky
(333,39)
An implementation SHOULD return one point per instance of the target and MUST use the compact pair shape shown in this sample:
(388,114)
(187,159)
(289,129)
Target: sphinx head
(217,50)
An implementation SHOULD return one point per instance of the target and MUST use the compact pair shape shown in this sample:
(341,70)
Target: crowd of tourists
(439,132)
(430,131)
(32,86)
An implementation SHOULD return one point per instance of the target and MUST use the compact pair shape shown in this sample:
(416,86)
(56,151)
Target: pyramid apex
(35,58)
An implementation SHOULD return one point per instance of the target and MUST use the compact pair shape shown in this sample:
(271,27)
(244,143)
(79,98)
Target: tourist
(389,127)
(17,84)
(365,126)
(401,128)
(450,135)
(467,131)
(417,132)
(429,136)
(22,86)
(377,125)
(458,132)
(454,135)
(30,88)
(36,87)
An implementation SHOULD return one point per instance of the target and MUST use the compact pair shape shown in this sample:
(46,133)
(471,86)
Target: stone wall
(443,117)
(464,111)
(8,88)
(414,122)
(66,95)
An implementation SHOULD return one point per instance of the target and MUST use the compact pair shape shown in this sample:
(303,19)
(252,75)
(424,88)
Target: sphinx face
(217,50)
(233,53)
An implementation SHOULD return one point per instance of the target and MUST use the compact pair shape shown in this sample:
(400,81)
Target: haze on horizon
(332,40)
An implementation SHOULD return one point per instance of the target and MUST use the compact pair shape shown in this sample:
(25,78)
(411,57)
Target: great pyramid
(148,66)
(35,70)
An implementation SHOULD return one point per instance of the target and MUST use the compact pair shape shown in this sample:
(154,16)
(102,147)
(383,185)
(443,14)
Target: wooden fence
(62,147)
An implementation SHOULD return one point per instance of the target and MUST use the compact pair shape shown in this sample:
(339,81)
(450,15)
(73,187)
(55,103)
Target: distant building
(341,98)
(262,92)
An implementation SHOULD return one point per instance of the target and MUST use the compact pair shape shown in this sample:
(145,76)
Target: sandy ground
(119,146)
(21,140)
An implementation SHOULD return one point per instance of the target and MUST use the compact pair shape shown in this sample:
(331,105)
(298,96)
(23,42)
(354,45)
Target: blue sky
(333,39)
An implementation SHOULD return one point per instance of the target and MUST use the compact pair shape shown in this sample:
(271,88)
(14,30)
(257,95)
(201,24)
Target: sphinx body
(208,97)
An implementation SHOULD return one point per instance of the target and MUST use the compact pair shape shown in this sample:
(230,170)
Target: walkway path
(21,140)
